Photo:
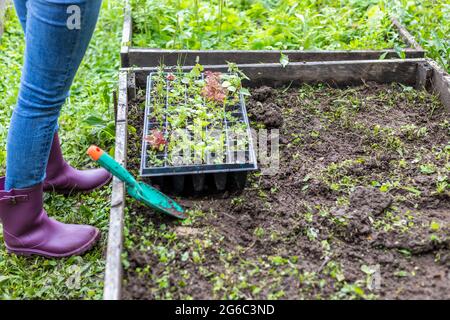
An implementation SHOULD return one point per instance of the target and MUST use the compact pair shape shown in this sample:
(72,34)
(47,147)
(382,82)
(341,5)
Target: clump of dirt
(261,94)
(366,203)
(370,200)
(269,114)
(358,208)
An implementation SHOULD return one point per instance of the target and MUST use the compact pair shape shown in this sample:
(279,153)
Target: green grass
(262,24)
(428,21)
(86,118)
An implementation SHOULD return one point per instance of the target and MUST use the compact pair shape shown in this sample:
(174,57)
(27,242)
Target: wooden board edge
(337,73)
(291,64)
(406,35)
(127,33)
(122,106)
(113,270)
(146,57)
(3,6)
(143,50)
(127,25)
(440,83)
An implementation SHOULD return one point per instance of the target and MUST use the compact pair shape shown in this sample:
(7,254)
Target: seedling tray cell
(190,169)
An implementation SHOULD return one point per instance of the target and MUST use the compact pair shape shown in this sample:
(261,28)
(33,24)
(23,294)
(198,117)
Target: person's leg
(57,35)
(52,55)
(21,10)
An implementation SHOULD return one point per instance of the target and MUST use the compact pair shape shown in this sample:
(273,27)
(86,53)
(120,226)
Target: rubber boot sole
(30,252)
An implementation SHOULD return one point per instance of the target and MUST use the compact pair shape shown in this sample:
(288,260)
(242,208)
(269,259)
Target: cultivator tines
(196,157)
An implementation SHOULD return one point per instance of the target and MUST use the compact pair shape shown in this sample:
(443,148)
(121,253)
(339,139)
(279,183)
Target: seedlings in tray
(154,159)
(213,89)
(201,114)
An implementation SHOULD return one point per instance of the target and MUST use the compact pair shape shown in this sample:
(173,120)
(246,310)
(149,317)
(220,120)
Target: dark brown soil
(359,208)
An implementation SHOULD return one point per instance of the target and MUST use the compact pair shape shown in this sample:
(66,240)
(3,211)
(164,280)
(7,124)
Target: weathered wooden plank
(337,73)
(131,85)
(406,36)
(126,35)
(2,15)
(440,83)
(122,106)
(424,73)
(143,57)
(113,273)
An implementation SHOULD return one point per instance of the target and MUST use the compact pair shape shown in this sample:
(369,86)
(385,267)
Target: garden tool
(138,190)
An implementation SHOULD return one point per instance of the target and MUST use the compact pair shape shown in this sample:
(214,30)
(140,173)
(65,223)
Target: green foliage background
(262,24)
(429,22)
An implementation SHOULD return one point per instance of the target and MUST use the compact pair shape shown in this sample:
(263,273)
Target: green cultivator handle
(138,190)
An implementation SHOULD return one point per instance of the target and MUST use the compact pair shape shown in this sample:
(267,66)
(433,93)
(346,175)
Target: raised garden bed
(152,57)
(362,186)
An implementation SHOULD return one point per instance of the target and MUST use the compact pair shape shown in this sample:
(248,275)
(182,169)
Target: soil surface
(359,207)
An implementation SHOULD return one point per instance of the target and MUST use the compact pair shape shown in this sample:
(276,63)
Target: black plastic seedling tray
(229,174)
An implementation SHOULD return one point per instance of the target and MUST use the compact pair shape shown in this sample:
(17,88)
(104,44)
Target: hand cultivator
(138,190)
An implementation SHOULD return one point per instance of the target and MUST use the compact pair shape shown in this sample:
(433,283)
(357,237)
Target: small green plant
(412,132)
(442,184)
(428,168)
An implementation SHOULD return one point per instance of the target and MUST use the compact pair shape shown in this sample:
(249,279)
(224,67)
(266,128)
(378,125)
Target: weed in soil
(358,209)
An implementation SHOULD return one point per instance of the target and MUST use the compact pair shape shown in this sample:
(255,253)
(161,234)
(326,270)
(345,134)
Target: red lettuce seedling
(171,77)
(156,140)
(213,89)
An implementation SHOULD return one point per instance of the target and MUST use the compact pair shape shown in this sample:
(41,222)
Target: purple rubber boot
(27,230)
(62,178)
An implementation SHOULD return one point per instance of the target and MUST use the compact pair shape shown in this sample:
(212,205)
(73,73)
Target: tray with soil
(196,128)
(359,208)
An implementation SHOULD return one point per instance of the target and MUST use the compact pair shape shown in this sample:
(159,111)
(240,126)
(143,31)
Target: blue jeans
(57,33)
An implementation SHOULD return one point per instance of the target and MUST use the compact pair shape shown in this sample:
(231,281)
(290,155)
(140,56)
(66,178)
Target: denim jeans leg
(57,35)
(21,10)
